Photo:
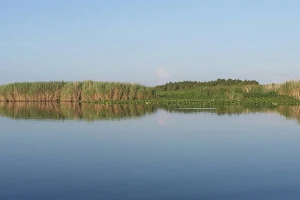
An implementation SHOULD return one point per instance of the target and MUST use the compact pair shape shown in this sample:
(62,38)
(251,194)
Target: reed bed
(71,92)
(222,89)
(192,85)
(126,93)
(289,88)
(86,91)
(218,92)
(34,91)
(95,91)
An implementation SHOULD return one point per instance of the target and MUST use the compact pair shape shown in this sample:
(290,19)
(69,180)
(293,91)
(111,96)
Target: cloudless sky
(149,42)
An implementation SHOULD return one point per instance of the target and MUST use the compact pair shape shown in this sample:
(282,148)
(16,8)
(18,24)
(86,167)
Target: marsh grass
(34,91)
(126,93)
(97,91)
(86,91)
(71,92)
(220,93)
(289,88)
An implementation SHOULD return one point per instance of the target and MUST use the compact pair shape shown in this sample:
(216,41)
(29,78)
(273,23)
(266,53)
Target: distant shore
(218,92)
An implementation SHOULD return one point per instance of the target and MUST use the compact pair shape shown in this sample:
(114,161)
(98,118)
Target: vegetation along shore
(210,93)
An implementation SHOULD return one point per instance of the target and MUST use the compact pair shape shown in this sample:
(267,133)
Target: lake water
(87,152)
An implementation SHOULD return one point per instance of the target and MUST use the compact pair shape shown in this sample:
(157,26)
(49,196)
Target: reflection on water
(92,112)
(228,110)
(290,112)
(187,154)
(63,111)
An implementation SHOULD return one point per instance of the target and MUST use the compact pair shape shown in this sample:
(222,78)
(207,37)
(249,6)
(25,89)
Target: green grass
(220,92)
(228,95)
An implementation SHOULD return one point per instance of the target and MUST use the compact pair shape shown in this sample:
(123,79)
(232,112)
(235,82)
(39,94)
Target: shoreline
(195,102)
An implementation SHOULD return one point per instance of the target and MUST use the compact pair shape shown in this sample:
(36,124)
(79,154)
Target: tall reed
(95,91)
(289,88)
(33,91)
(73,91)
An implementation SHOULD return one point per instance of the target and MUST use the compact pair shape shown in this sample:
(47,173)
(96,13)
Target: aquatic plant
(86,91)
(31,91)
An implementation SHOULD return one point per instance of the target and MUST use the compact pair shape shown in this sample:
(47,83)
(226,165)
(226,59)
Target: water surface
(51,151)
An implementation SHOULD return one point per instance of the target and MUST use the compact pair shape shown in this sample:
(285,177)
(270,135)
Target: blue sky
(150,42)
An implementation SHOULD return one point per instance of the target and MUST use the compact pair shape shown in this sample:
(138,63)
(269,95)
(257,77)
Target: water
(134,152)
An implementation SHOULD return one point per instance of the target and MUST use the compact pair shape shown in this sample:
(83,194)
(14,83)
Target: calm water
(97,152)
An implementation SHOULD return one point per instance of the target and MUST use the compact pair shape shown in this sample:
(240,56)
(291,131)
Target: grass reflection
(56,111)
(290,112)
(92,112)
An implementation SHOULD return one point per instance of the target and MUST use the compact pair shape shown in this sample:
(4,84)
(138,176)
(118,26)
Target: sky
(149,42)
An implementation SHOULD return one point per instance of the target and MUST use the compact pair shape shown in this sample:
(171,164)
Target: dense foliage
(222,90)
(192,85)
